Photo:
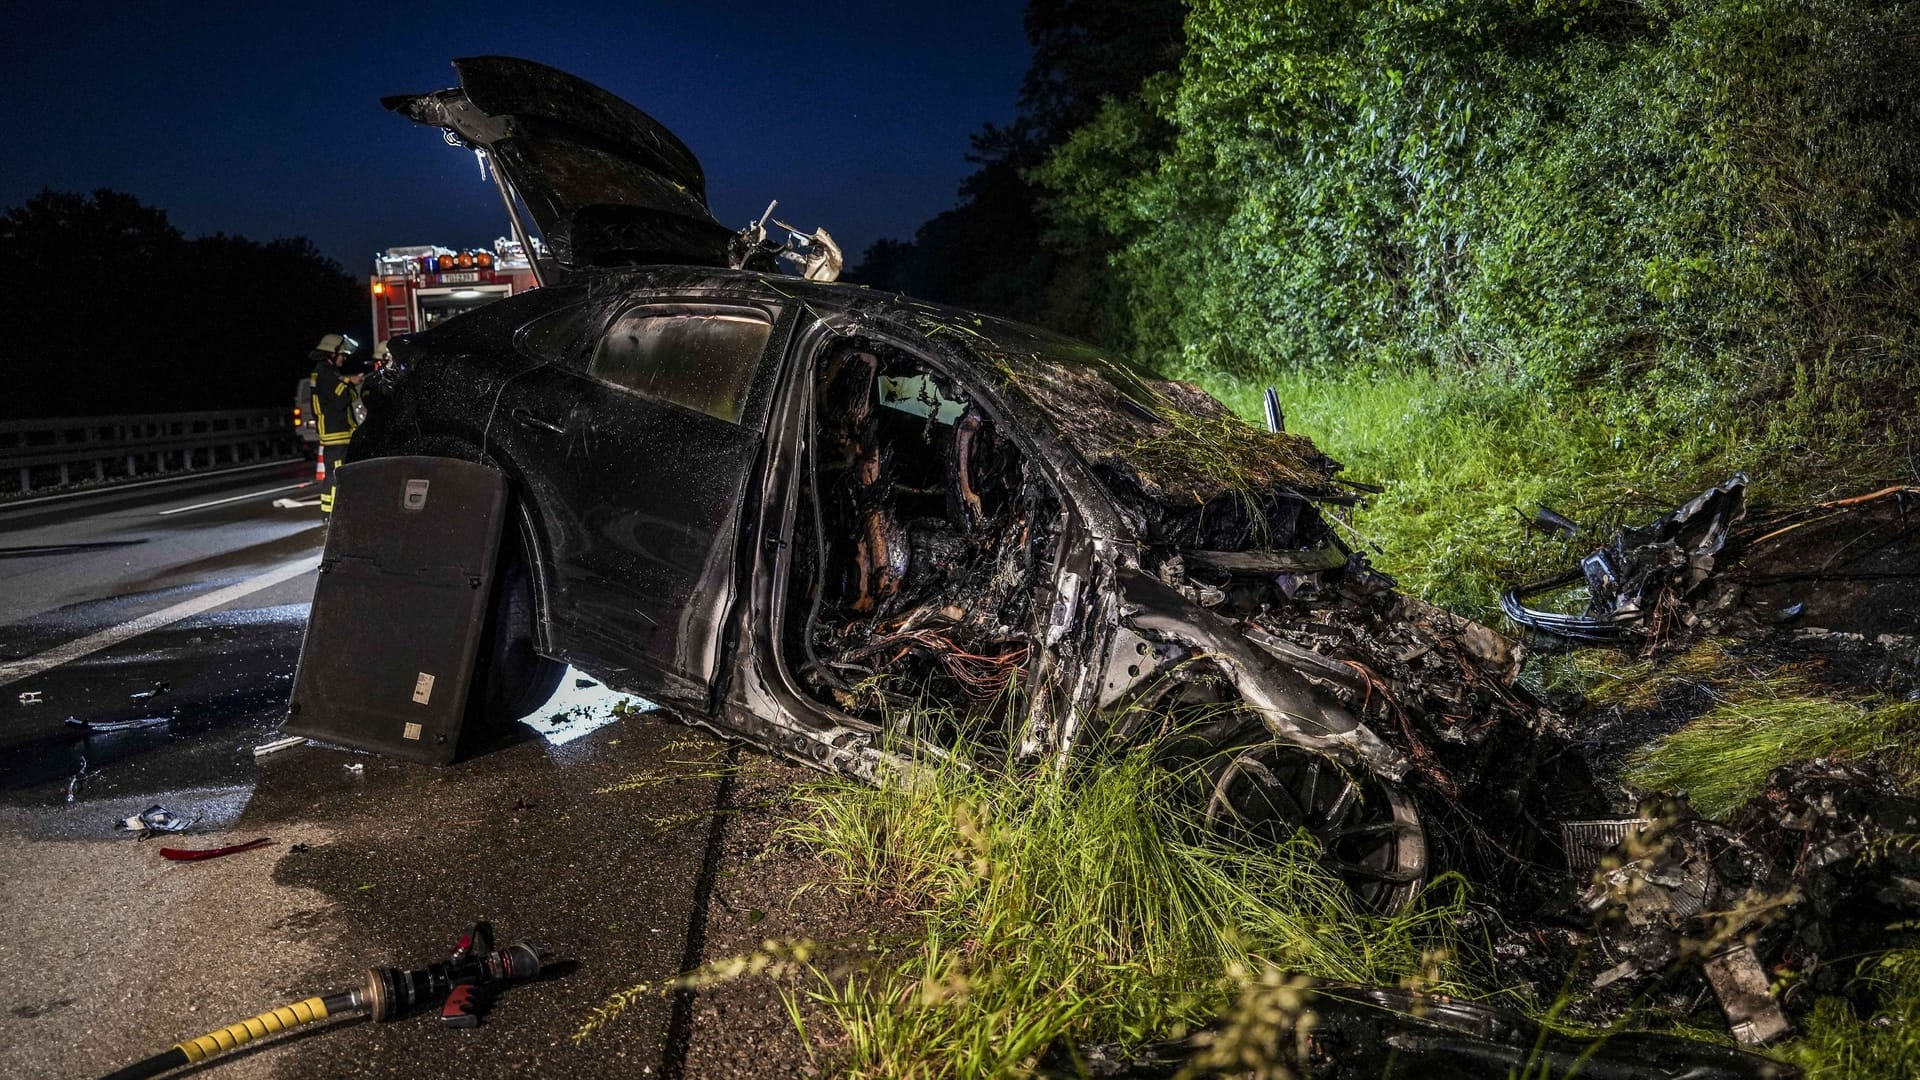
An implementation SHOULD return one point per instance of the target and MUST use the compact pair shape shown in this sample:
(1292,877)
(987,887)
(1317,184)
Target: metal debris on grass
(1643,567)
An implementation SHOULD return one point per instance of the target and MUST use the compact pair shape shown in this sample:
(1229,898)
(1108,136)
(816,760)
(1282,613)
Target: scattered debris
(74,782)
(106,727)
(1741,984)
(1646,569)
(1352,1032)
(1812,873)
(156,690)
(278,745)
(32,697)
(355,767)
(198,854)
(155,819)
(1552,522)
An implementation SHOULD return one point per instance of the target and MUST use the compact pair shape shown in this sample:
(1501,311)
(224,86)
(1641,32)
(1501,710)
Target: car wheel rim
(1367,832)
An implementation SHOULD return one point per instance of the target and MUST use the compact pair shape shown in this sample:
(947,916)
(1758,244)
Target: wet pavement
(114,953)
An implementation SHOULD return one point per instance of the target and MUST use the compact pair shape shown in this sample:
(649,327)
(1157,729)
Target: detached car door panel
(647,470)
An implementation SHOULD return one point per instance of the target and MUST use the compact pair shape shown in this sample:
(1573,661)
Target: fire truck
(416,287)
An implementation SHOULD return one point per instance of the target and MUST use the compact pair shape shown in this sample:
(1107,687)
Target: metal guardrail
(36,455)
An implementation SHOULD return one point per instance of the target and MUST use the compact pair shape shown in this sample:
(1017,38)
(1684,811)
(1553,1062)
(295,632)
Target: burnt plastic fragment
(1644,566)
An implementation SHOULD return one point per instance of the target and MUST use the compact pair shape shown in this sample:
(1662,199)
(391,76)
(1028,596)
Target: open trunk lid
(606,184)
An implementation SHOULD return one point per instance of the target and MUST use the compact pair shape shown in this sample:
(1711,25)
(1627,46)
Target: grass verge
(1723,758)
(1067,910)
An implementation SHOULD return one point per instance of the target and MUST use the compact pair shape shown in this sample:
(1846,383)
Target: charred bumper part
(1644,569)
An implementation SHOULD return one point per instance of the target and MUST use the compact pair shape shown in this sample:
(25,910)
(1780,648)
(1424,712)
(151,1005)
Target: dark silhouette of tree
(114,311)
(994,251)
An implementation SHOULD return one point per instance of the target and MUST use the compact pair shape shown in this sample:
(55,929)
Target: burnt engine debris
(1812,874)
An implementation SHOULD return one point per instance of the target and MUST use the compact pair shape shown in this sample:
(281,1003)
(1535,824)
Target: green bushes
(1698,203)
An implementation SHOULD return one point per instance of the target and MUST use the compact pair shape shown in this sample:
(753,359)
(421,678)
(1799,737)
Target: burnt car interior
(923,535)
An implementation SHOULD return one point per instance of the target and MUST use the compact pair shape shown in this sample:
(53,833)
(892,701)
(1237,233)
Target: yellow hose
(253,1027)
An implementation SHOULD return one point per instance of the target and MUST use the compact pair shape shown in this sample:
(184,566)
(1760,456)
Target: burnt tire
(1252,788)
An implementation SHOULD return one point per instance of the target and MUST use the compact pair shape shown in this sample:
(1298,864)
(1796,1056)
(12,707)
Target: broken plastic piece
(355,767)
(278,745)
(1548,520)
(197,854)
(74,782)
(158,689)
(1741,983)
(32,697)
(155,819)
(1587,842)
(101,727)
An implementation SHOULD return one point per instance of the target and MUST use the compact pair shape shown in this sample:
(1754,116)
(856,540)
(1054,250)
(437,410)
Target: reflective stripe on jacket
(332,398)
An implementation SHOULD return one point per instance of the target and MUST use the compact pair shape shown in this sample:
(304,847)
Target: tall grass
(1840,1043)
(1080,907)
(1723,758)
(1459,454)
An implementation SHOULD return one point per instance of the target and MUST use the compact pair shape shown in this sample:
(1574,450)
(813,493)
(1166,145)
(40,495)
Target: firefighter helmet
(334,343)
(381,353)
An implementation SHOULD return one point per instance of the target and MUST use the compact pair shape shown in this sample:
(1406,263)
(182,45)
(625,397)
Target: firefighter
(334,395)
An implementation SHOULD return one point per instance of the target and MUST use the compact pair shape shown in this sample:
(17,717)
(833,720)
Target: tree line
(113,310)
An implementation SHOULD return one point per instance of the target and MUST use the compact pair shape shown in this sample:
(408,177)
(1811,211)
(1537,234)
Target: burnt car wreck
(853,527)
(858,530)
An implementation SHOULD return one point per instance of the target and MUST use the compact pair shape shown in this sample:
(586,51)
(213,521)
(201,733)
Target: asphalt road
(183,604)
(91,570)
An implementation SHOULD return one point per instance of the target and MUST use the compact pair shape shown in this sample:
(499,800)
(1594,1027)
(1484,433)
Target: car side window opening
(923,537)
(704,361)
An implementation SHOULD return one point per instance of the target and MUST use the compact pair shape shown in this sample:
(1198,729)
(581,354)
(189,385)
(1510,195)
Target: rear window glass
(704,361)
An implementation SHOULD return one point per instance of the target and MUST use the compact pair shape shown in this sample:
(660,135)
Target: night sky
(264,120)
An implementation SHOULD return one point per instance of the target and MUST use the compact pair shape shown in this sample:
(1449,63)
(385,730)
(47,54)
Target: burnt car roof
(1170,440)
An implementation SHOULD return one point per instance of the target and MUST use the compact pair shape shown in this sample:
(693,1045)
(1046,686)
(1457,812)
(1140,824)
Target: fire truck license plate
(454,279)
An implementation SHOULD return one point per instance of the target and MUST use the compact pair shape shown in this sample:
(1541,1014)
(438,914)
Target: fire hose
(464,983)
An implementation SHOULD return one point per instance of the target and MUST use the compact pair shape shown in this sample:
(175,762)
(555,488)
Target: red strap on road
(191,855)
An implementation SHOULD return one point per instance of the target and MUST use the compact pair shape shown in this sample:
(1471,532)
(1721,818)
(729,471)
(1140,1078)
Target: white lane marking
(109,489)
(14,670)
(230,498)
